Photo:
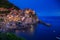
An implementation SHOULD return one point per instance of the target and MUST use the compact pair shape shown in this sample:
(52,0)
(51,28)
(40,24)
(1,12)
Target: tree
(9,36)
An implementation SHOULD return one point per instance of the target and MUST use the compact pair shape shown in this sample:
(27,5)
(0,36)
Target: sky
(42,7)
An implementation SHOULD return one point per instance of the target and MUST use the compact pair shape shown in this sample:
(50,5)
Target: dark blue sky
(42,7)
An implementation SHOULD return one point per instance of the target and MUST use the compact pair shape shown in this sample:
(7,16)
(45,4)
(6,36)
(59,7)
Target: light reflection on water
(42,32)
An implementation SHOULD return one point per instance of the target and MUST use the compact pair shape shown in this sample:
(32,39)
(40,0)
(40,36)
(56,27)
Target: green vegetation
(1,19)
(9,36)
(7,4)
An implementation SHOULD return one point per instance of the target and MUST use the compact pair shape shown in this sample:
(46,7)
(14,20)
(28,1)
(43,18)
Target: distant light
(58,38)
(54,31)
